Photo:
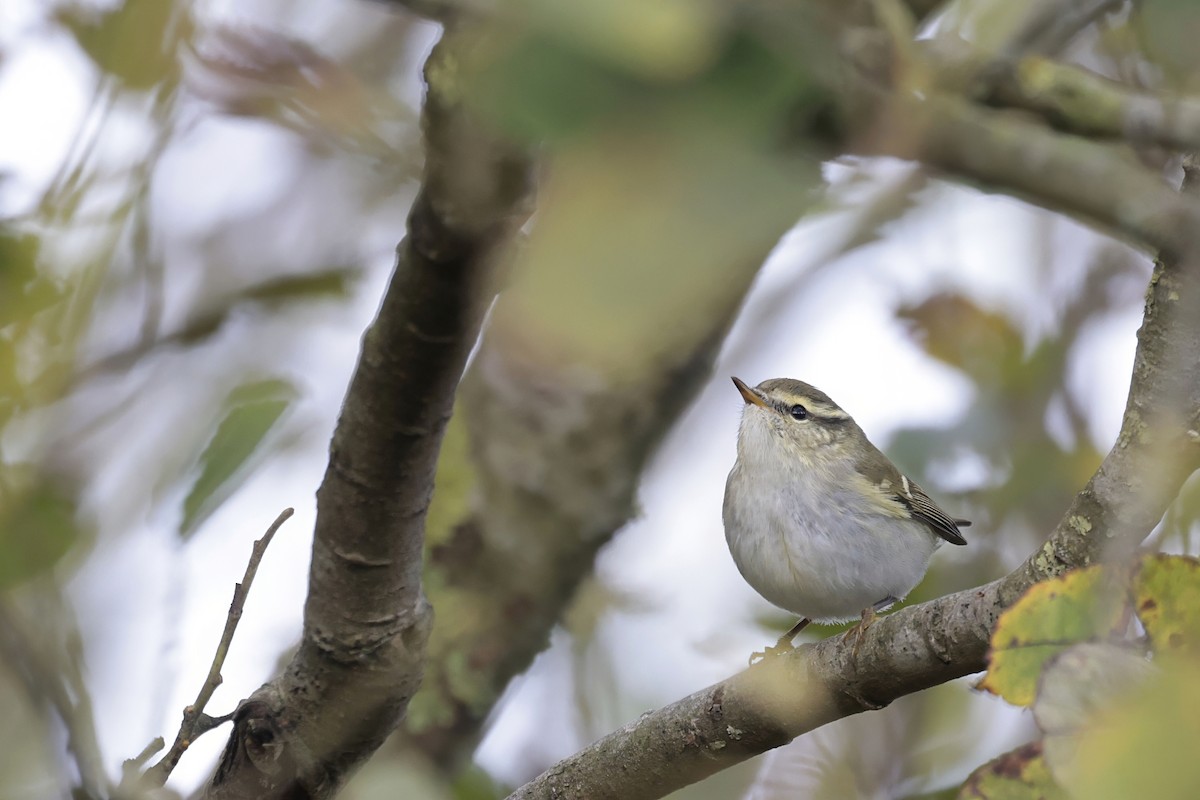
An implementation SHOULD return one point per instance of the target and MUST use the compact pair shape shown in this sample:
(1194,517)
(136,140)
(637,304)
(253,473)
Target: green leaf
(23,292)
(134,42)
(1082,606)
(539,86)
(251,412)
(37,528)
(1020,774)
(1166,598)
(333,283)
(953,329)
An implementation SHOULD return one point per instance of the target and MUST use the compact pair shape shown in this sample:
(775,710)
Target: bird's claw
(780,649)
(858,631)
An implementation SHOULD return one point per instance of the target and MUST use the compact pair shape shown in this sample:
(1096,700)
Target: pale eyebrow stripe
(817,407)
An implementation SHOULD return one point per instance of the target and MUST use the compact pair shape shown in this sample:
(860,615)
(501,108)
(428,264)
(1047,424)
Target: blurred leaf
(538,88)
(251,411)
(1081,606)
(10,389)
(1020,774)
(253,71)
(401,774)
(134,42)
(543,88)
(1183,517)
(23,292)
(657,39)
(1146,745)
(944,794)
(595,601)
(332,283)
(1166,597)
(954,330)
(1169,29)
(642,239)
(473,783)
(1075,689)
(37,527)
(29,751)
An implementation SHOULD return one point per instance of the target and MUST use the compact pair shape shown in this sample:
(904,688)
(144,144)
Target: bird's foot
(869,616)
(771,652)
(858,631)
(781,647)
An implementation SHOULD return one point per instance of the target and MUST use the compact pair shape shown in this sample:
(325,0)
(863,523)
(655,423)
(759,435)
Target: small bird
(818,520)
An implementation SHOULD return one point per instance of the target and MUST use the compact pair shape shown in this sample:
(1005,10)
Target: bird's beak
(749,394)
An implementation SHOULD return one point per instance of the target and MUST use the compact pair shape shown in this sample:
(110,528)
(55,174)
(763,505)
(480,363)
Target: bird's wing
(895,488)
(923,508)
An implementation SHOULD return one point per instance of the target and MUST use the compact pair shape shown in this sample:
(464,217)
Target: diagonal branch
(1071,98)
(929,644)
(509,565)
(1067,174)
(366,618)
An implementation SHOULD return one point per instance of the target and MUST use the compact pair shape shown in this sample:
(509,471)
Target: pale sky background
(159,605)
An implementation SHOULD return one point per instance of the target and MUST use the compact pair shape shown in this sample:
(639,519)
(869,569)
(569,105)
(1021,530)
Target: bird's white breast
(806,541)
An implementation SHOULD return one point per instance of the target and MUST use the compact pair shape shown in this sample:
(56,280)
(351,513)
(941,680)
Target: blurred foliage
(1166,594)
(1081,606)
(1114,706)
(1018,388)
(38,524)
(542,88)
(251,411)
(131,302)
(1147,744)
(1167,30)
(129,42)
(663,177)
(1019,775)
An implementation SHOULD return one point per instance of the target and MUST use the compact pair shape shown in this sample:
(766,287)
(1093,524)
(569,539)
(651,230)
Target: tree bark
(366,619)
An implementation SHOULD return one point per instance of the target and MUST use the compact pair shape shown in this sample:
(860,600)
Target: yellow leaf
(1082,606)
(1166,597)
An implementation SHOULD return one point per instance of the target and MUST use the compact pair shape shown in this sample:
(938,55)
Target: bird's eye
(799,412)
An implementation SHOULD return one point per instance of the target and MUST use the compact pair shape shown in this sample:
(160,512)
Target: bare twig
(209,321)
(195,721)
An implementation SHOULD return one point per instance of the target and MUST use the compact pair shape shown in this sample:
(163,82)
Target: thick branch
(925,645)
(366,619)
(1068,174)
(512,561)
(1069,97)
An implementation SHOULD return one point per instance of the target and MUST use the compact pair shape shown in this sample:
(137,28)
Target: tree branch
(929,644)
(1067,174)
(195,721)
(366,619)
(509,563)
(1071,98)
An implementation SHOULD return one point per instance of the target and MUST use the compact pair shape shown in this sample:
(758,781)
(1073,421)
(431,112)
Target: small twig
(131,768)
(195,721)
